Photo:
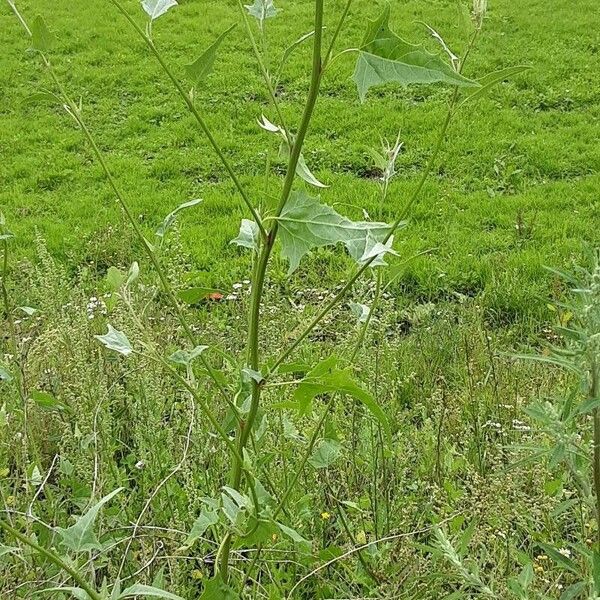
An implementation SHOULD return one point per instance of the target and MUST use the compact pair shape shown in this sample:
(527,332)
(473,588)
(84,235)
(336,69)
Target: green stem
(253,353)
(53,557)
(263,67)
(336,34)
(194,111)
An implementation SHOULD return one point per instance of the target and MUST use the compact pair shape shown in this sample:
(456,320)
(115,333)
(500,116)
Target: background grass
(516,188)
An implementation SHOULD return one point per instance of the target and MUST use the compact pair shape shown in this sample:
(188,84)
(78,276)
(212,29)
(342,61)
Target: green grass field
(523,160)
(516,189)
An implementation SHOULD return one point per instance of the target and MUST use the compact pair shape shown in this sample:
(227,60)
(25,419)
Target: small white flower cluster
(238,288)
(95,307)
(520,425)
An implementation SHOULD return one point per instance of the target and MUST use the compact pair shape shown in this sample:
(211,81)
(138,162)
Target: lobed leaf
(305,224)
(262,10)
(385,58)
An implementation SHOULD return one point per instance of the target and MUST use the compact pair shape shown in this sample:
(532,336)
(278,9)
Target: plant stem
(253,353)
(194,111)
(53,557)
(336,34)
(263,68)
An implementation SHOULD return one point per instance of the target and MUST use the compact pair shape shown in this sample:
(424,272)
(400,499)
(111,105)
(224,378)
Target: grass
(524,156)
(516,189)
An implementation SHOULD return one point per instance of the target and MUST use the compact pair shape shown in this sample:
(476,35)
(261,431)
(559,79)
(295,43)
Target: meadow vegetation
(274,338)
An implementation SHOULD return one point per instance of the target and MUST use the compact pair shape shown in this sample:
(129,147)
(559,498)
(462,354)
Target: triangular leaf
(203,65)
(41,37)
(305,224)
(157,8)
(206,519)
(325,454)
(81,537)
(185,358)
(170,218)
(116,340)
(248,236)
(386,58)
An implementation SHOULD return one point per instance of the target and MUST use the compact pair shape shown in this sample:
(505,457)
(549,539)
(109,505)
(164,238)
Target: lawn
(515,189)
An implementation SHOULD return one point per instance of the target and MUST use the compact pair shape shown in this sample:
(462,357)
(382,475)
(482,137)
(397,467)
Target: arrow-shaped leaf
(204,64)
(41,37)
(81,537)
(157,8)
(385,58)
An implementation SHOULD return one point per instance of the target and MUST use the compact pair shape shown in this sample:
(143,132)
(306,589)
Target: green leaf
(147,591)
(115,279)
(74,591)
(290,49)
(185,358)
(204,64)
(386,58)
(38,97)
(48,401)
(559,558)
(81,537)
(206,519)
(327,378)
(248,236)
(116,340)
(325,454)
(573,591)
(305,224)
(4,374)
(262,10)
(133,273)
(170,218)
(491,80)
(157,8)
(8,550)
(42,38)
(302,169)
(216,589)
(294,536)
(360,311)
